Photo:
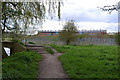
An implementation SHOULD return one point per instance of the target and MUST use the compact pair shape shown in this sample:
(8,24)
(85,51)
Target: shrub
(90,45)
(16,40)
(30,42)
(117,38)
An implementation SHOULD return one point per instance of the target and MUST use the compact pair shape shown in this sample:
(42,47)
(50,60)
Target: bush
(66,47)
(49,50)
(90,45)
(16,40)
(117,38)
(31,42)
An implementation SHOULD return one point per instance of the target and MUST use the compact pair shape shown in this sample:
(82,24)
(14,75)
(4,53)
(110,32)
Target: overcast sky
(86,15)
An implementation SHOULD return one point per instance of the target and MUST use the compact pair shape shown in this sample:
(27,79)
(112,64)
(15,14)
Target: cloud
(86,14)
(58,25)
(110,27)
(52,25)
(86,10)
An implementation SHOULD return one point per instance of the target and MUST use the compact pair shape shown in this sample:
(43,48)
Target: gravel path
(50,67)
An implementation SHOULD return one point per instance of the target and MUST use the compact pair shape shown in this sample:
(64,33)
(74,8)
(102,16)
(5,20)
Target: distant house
(85,32)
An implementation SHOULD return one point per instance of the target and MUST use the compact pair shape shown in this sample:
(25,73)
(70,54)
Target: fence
(78,41)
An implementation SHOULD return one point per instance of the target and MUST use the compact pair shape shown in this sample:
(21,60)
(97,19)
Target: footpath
(50,66)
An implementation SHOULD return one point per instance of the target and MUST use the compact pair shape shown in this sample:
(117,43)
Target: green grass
(90,61)
(49,50)
(60,48)
(21,65)
(45,44)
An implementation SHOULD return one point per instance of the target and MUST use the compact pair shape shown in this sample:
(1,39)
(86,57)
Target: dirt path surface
(50,66)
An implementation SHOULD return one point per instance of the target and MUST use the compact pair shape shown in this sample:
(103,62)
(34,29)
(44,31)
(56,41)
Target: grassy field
(89,61)
(21,65)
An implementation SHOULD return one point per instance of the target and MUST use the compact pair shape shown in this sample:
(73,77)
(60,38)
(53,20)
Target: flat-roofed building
(85,32)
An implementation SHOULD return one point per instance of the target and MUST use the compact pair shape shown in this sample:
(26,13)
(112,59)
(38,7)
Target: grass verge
(49,50)
(21,65)
(90,61)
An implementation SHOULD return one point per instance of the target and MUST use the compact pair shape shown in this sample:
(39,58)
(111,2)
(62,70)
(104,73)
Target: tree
(68,32)
(111,8)
(26,13)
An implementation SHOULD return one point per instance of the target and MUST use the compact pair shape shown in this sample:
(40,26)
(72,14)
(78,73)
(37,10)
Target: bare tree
(111,8)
